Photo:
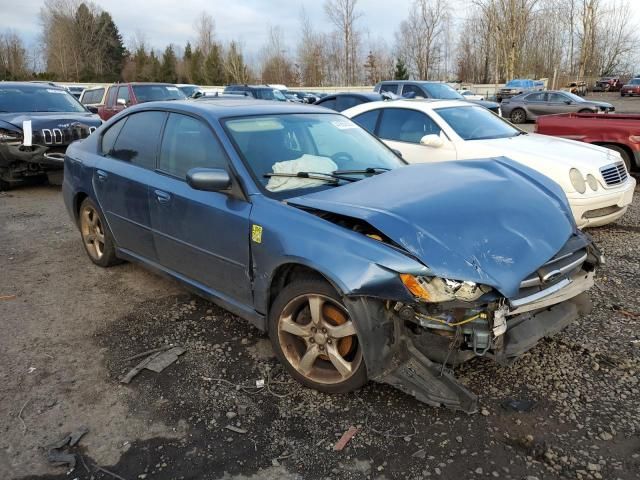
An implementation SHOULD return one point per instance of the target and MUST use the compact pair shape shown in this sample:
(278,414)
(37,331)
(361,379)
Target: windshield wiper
(365,171)
(327,177)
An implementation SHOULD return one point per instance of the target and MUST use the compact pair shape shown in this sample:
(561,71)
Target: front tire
(96,236)
(585,110)
(518,115)
(315,339)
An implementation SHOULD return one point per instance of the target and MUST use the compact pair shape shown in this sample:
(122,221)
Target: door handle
(162,197)
(102,175)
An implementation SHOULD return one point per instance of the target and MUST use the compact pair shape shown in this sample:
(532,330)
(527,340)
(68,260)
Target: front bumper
(399,352)
(601,209)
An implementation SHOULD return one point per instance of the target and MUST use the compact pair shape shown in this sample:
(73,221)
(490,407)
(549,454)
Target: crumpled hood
(51,120)
(489,221)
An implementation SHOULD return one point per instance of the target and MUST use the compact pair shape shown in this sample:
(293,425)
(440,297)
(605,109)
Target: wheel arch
(291,271)
(79,197)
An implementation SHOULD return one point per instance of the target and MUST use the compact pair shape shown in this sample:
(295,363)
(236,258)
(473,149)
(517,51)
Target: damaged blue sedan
(358,266)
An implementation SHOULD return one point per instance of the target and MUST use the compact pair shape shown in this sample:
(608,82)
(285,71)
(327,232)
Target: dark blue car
(357,266)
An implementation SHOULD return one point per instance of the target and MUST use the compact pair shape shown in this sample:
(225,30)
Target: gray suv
(427,89)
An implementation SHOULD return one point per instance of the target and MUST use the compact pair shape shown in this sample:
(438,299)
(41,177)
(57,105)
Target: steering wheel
(342,156)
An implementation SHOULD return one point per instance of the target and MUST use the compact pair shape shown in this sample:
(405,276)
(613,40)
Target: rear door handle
(102,175)
(162,197)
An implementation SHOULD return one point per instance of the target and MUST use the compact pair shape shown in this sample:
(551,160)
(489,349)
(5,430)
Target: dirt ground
(67,334)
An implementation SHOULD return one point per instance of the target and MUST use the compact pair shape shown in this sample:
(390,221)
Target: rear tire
(585,110)
(518,115)
(96,236)
(314,337)
(623,153)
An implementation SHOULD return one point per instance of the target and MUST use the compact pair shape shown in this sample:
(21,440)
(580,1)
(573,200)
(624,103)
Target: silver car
(530,106)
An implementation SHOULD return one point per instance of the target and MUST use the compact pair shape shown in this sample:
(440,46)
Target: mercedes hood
(490,221)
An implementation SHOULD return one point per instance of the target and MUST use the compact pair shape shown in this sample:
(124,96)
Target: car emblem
(552,275)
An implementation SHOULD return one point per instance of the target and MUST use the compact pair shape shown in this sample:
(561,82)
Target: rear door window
(389,87)
(189,143)
(404,125)
(412,89)
(535,97)
(138,140)
(109,137)
(368,120)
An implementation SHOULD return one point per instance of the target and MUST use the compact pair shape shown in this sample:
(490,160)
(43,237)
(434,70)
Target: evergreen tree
(213,67)
(113,53)
(401,72)
(196,70)
(168,70)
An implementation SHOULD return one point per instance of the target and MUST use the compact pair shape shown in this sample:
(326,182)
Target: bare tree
(205,33)
(311,54)
(419,35)
(343,15)
(276,67)
(14,63)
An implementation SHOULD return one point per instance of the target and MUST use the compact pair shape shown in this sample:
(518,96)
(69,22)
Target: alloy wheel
(92,232)
(319,339)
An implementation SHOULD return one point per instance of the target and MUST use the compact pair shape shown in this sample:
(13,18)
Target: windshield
(477,123)
(319,143)
(441,91)
(516,83)
(635,81)
(37,99)
(154,93)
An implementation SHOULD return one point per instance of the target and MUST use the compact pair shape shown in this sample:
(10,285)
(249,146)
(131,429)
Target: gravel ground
(71,327)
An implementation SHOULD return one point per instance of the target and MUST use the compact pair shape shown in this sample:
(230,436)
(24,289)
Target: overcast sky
(171,21)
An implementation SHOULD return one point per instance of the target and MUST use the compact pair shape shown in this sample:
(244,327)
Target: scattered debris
(236,429)
(56,453)
(422,454)
(260,383)
(156,362)
(104,470)
(518,405)
(346,436)
(24,425)
(7,297)
(31,369)
(148,352)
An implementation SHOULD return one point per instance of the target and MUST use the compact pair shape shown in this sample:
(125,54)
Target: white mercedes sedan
(595,179)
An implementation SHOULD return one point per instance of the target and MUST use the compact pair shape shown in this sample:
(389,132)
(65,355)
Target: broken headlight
(10,136)
(435,289)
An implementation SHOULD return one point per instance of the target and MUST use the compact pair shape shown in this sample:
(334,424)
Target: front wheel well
(292,272)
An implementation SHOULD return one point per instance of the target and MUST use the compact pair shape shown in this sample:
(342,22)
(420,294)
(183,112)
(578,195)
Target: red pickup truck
(619,132)
(123,95)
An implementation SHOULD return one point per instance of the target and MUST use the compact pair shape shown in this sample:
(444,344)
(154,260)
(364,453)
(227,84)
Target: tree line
(496,40)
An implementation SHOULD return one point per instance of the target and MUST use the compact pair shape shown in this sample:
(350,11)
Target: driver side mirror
(122,102)
(431,140)
(209,179)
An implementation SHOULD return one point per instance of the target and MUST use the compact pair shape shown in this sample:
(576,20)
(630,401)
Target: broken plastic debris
(156,362)
(55,453)
(236,429)
(346,436)
(518,405)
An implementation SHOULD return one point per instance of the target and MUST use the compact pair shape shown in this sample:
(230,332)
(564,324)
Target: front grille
(614,174)
(569,259)
(61,136)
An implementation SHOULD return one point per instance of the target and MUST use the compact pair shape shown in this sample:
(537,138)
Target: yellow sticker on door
(256,233)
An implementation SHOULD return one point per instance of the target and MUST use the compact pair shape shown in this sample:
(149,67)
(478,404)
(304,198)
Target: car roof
(230,107)
(373,96)
(417,103)
(410,81)
(33,85)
